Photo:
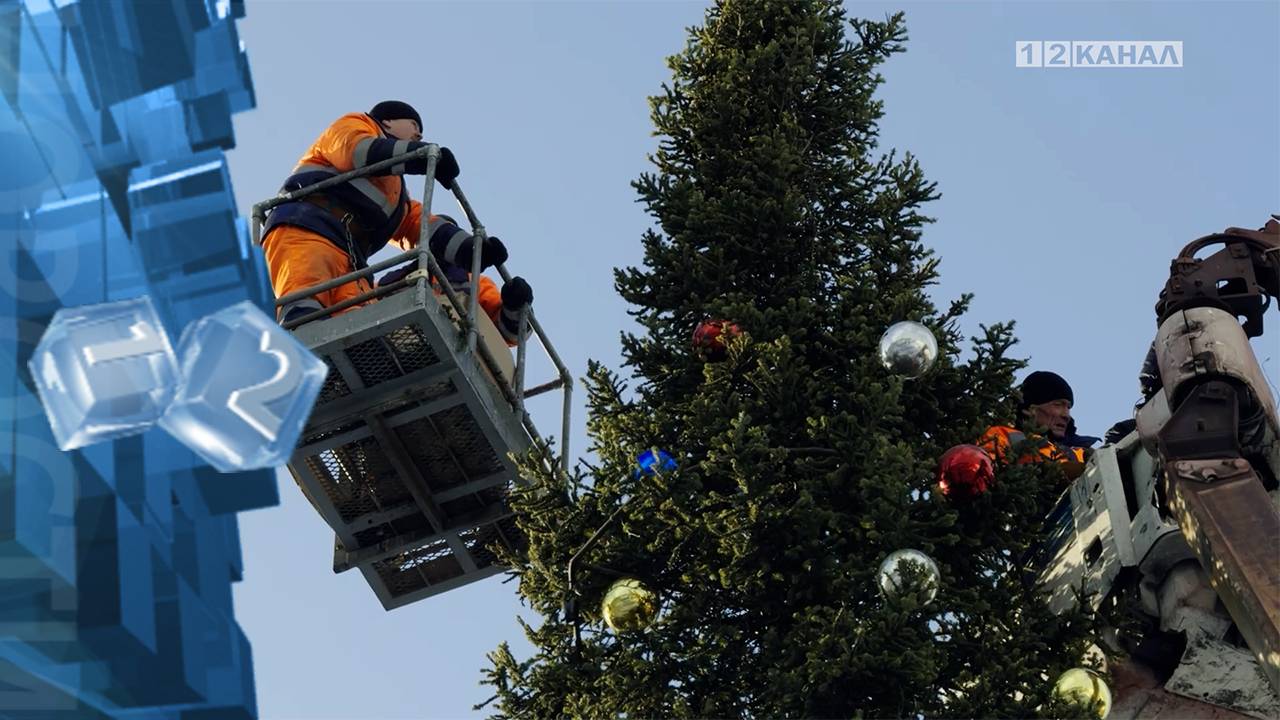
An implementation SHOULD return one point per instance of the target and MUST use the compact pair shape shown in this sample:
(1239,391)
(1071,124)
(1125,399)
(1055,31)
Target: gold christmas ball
(1085,686)
(629,605)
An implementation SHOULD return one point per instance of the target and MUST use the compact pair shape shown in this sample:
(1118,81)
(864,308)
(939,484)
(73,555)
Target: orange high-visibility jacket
(356,218)
(490,301)
(376,209)
(998,441)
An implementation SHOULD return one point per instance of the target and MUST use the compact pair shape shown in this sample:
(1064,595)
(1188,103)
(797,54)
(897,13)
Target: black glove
(447,168)
(1119,431)
(493,253)
(397,274)
(516,294)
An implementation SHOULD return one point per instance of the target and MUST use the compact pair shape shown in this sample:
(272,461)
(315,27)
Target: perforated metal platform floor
(406,453)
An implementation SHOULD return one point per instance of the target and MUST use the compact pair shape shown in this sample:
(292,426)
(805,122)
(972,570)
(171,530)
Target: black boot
(296,313)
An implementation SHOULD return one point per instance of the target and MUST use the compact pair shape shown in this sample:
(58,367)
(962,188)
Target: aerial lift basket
(408,453)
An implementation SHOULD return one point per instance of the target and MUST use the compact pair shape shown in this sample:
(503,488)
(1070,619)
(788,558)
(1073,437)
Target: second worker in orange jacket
(503,308)
(1046,403)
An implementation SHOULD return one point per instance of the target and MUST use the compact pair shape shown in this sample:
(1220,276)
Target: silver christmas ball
(908,349)
(896,574)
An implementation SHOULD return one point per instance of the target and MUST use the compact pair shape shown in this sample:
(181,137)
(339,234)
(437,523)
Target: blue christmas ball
(650,463)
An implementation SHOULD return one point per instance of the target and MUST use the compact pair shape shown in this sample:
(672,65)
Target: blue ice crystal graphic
(104,371)
(247,389)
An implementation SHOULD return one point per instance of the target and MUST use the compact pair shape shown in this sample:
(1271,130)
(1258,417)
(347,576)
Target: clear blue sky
(1064,195)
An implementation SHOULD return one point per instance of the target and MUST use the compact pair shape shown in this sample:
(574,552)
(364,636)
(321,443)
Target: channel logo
(1098,53)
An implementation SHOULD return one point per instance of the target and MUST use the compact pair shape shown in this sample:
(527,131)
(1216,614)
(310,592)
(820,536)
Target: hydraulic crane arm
(1211,420)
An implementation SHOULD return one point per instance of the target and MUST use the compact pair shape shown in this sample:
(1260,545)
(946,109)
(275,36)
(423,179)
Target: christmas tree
(747,487)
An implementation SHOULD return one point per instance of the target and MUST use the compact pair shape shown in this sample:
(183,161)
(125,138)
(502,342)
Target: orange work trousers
(298,258)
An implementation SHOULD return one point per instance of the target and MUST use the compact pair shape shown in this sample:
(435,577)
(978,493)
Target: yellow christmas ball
(1085,686)
(629,605)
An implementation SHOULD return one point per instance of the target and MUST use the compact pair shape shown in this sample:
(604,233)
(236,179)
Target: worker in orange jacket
(1046,403)
(333,232)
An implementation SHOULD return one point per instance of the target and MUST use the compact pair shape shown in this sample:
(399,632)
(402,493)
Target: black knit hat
(395,110)
(1043,386)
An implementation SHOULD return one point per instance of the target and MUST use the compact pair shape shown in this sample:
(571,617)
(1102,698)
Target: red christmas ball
(710,336)
(965,471)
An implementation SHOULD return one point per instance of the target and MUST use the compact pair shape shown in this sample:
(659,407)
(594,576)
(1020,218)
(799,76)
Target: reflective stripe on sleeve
(401,147)
(360,157)
(510,324)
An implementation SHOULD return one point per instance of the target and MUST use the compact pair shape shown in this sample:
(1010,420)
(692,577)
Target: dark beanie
(1041,387)
(395,110)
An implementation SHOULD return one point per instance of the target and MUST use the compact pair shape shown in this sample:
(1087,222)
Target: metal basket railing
(513,392)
